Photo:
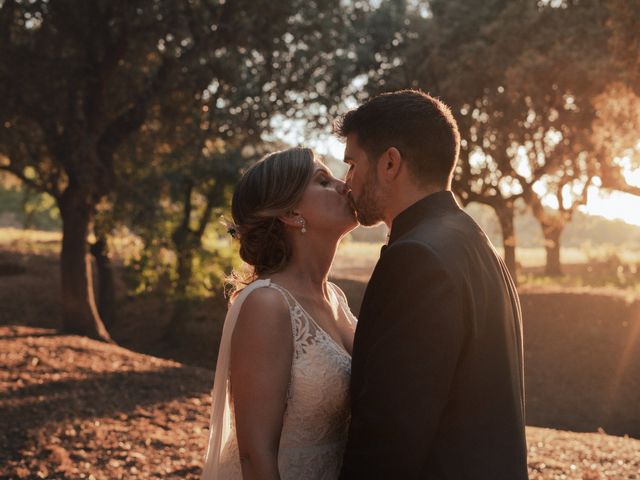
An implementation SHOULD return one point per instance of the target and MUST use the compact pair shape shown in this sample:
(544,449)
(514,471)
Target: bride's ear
(291,219)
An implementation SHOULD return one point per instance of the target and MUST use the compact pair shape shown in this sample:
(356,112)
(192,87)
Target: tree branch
(212,198)
(30,182)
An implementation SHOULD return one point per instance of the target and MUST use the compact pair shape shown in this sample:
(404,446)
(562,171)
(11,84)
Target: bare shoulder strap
(290,299)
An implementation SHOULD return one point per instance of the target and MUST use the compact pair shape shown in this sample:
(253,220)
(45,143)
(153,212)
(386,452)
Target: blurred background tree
(138,116)
(24,207)
(81,79)
(526,81)
(624,24)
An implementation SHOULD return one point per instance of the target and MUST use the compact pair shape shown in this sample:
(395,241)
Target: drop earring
(303,224)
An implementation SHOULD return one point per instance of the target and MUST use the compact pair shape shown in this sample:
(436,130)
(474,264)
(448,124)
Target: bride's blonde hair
(268,189)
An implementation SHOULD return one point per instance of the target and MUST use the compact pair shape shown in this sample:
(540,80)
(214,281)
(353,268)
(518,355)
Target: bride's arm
(261,355)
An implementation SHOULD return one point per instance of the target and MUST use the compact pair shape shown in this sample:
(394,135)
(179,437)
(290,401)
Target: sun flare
(614,206)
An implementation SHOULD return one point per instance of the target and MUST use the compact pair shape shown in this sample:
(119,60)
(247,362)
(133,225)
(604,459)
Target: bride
(280,398)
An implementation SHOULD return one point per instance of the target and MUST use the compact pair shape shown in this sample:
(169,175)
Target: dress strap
(343,302)
(290,299)
(337,293)
(292,302)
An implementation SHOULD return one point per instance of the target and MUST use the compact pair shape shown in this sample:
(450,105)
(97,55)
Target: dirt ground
(75,408)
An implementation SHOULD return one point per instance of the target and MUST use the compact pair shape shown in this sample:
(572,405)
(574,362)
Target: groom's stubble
(368,205)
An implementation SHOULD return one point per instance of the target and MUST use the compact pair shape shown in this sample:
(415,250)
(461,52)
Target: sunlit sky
(620,206)
(611,205)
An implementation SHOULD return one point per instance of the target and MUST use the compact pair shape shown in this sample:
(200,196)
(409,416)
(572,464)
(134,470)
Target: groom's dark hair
(420,126)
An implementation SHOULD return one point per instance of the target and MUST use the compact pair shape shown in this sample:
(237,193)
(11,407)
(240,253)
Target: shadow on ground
(85,406)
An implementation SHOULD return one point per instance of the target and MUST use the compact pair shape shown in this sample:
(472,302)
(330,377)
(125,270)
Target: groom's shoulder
(445,233)
(409,252)
(446,241)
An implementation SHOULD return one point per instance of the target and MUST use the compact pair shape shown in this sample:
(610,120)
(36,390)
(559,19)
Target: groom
(437,376)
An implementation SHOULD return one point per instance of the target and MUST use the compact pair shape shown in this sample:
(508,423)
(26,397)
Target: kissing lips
(350,202)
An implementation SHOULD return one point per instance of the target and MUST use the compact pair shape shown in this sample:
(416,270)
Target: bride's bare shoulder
(264,315)
(265,300)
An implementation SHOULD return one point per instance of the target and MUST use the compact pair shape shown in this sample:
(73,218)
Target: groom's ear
(390,164)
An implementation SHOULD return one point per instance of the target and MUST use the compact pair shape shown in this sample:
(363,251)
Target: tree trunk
(552,235)
(506,219)
(187,242)
(79,311)
(106,291)
(28,213)
(184,245)
(184,267)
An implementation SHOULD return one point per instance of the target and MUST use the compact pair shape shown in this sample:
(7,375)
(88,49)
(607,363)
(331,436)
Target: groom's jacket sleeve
(409,338)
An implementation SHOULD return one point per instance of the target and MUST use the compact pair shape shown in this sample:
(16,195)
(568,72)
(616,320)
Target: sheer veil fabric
(220,421)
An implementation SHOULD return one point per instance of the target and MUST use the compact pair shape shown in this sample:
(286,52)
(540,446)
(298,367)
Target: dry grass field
(357,259)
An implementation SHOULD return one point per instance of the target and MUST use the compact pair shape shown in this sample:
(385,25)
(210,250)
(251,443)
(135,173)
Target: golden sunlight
(614,206)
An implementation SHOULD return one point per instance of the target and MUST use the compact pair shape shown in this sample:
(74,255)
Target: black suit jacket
(437,387)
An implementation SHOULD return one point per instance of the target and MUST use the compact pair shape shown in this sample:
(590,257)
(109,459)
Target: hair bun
(268,189)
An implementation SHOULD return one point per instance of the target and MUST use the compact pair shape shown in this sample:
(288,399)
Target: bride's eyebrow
(321,170)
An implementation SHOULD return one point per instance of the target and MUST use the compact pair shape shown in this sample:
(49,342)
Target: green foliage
(165,66)
(143,111)
(29,209)
(148,110)
(152,269)
(149,271)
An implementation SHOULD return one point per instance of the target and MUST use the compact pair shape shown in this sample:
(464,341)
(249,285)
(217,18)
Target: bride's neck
(309,266)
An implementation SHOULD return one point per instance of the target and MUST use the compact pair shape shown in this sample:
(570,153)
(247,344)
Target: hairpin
(232,228)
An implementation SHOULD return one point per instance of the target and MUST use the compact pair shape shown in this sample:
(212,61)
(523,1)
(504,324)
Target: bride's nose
(342,188)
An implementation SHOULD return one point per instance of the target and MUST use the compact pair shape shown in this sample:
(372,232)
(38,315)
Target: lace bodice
(317,413)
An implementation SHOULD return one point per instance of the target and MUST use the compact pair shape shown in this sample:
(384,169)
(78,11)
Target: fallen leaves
(95,411)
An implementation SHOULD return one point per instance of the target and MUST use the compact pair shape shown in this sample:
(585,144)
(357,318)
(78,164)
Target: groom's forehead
(352,148)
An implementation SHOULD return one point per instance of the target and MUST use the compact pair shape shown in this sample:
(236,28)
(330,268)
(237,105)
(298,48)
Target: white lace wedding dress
(317,412)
